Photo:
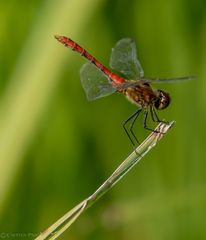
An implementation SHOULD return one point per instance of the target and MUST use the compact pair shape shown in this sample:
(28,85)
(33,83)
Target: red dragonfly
(98,81)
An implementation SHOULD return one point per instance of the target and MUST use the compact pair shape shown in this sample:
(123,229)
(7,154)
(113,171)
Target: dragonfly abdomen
(116,79)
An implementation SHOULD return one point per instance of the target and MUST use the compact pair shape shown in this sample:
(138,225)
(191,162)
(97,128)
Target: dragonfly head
(163,100)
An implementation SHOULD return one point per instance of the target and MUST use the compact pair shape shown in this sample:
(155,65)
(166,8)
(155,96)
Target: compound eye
(163,100)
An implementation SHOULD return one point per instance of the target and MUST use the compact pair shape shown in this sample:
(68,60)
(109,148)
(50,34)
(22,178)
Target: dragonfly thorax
(139,93)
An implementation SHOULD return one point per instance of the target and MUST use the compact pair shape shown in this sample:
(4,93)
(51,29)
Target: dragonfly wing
(124,59)
(94,82)
(168,80)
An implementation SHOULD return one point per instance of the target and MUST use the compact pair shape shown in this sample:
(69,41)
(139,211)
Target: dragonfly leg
(132,125)
(145,120)
(134,115)
(154,114)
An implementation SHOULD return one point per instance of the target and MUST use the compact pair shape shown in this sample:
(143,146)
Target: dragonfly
(99,81)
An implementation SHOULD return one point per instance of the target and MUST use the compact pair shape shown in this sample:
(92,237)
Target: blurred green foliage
(56,148)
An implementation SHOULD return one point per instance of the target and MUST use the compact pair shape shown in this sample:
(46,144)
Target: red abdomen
(116,79)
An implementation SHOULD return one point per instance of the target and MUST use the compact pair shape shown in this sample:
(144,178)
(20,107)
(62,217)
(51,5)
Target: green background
(56,148)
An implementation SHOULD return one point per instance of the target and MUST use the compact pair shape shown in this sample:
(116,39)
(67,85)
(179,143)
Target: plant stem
(64,222)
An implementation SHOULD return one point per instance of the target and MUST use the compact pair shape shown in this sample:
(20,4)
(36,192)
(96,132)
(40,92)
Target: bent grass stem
(64,222)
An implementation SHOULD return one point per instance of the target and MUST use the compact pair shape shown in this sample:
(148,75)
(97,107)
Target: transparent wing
(124,59)
(168,80)
(94,82)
